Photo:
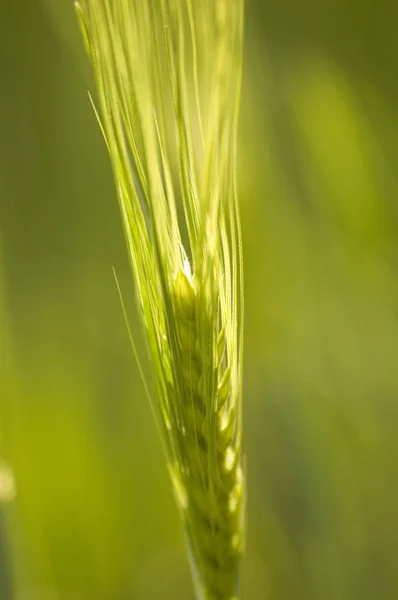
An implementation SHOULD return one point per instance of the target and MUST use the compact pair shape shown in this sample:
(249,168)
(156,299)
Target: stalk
(167,75)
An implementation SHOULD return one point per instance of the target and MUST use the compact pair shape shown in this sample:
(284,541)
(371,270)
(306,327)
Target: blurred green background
(93,516)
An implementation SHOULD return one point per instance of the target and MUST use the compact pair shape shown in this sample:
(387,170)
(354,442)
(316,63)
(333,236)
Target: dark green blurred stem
(6,585)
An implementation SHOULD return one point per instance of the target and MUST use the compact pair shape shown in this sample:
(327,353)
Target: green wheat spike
(168,76)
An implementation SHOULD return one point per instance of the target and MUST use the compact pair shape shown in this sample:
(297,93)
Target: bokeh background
(90,514)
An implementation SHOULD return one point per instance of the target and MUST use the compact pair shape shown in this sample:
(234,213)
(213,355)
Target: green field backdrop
(93,516)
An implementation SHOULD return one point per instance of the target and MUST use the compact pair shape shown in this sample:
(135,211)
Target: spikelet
(168,111)
(213,476)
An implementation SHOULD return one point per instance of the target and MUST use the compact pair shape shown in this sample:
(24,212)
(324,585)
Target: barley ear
(167,75)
